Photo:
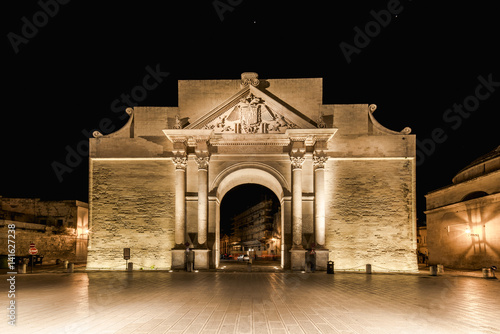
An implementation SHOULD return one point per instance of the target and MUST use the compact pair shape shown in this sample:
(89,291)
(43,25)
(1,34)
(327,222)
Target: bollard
(130,266)
(433,270)
(440,269)
(22,268)
(330,267)
(65,264)
(368,268)
(71,267)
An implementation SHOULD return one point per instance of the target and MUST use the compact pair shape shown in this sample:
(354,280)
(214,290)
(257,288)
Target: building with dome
(463,219)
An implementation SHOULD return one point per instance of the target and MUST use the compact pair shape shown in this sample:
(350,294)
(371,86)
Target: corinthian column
(180,200)
(297,162)
(319,199)
(202,162)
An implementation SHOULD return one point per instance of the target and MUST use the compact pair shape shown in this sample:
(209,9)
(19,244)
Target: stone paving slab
(239,302)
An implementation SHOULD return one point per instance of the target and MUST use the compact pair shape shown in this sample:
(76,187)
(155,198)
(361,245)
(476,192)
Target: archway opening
(250,228)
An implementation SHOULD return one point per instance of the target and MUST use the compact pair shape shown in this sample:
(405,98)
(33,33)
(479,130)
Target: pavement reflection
(252,302)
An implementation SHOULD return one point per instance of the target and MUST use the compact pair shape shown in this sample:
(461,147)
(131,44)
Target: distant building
(225,247)
(422,250)
(256,232)
(59,229)
(463,219)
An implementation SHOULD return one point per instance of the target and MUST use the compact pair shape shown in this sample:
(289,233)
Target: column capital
(297,161)
(180,162)
(319,159)
(202,161)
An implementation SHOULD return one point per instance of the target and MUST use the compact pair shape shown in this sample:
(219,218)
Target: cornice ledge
(249,140)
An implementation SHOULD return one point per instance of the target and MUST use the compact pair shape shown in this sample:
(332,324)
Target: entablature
(187,140)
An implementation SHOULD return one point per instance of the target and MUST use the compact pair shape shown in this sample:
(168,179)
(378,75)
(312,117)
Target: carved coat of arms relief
(250,115)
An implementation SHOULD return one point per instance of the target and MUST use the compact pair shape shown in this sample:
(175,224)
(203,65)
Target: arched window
(473,195)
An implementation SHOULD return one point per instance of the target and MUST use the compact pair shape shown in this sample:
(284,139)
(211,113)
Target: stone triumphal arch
(346,184)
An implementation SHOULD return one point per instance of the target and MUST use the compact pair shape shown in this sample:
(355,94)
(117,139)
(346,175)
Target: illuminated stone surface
(463,219)
(59,229)
(209,302)
(345,183)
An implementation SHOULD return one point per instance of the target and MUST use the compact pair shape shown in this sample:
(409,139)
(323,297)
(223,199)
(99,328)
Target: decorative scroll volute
(249,78)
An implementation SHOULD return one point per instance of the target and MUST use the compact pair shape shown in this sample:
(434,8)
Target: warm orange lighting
(467,230)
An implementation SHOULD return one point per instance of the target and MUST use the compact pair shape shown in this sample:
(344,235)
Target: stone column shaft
(202,199)
(180,204)
(178,252)
(319,200)
(297,201)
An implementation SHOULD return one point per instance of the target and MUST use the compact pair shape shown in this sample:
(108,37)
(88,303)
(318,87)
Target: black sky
(61,83)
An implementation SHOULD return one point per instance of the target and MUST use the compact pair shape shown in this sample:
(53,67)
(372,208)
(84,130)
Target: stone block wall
(132,206)
(451,246)
(35,210)
(52,246)
(370,214)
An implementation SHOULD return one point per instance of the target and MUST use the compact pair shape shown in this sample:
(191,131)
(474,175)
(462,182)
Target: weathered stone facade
(463,219)
(344,182)
(59,229)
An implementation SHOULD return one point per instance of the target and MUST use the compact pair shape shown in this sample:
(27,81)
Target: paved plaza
(251,302)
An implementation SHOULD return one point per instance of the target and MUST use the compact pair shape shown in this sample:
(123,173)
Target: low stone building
(463,219)
(59,229)
(344,182)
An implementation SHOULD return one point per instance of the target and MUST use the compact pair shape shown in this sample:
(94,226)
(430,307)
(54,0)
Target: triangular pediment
(253,110)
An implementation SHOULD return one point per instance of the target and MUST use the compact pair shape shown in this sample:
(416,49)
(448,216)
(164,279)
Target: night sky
(64,71)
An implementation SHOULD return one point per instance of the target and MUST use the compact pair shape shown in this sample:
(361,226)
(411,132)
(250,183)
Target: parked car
(243,257)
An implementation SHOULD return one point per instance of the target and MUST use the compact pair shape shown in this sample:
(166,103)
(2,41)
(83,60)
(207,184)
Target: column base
(298,259)
(322,257)
(179,259)
(201,259)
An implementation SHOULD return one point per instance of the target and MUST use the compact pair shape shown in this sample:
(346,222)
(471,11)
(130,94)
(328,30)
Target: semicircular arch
(249,173)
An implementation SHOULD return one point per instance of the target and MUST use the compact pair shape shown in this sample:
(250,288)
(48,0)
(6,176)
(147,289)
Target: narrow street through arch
(250,230)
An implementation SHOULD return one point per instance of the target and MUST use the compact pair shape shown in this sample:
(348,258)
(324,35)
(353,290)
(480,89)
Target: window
(473,195)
